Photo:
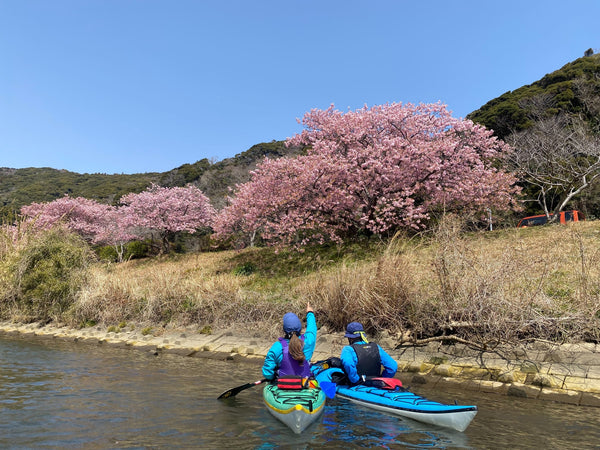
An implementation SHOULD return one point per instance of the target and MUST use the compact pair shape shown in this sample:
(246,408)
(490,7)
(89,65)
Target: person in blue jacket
(290,354)
(361,358)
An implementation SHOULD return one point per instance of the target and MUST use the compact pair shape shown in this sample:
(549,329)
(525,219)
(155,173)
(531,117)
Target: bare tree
(559,156)
(588,93)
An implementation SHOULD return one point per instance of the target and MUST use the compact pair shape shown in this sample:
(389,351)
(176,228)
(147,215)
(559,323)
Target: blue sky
(129,86)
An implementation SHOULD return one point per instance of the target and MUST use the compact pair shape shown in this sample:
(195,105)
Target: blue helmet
(291,323)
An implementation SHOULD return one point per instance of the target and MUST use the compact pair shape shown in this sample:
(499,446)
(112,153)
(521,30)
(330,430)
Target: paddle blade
(236,390)
(229,393)
(328,388)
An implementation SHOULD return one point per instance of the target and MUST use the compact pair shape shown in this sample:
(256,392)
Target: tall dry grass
(191,289)
(484,287)
(377,293)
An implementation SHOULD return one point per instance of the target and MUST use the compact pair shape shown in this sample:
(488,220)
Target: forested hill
(564,90)
(567,89)
(20,187)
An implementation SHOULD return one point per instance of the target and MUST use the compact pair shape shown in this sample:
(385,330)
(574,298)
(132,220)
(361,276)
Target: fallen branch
(420,342)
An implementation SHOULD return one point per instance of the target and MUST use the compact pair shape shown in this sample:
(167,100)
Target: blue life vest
(289,366)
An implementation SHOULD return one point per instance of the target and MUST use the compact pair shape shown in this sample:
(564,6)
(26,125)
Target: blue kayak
(397,401)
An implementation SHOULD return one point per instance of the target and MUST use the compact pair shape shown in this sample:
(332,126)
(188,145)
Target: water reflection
(364,427)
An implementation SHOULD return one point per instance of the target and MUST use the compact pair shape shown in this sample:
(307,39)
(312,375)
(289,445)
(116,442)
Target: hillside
(216,179)
(510,112)
(19,187)
(504,114)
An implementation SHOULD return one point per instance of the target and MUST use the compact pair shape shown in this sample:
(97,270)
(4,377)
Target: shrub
(136,250)
(107,253)
(132,250)
(245,269)
(47,273)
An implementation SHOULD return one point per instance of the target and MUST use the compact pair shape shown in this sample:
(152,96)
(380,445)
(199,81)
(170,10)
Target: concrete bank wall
(568,373)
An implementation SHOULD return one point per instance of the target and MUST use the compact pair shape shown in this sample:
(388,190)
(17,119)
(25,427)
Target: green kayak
(297,408)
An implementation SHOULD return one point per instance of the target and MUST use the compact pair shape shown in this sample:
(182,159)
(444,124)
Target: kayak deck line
(399,401)
(420,411)
(449,409)
(296,407)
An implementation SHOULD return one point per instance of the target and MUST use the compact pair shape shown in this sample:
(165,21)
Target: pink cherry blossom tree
(114,231)
(161,211)
(82,215)
(96,222)
(289,201)
(372,170)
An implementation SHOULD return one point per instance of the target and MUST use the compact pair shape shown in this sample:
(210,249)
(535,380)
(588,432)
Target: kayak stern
(296,409)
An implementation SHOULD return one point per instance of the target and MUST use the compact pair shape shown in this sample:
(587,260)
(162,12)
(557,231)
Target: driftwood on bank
(498,333)
(451,338)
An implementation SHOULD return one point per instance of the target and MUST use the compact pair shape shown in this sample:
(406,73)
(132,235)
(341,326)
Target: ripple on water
(56,394)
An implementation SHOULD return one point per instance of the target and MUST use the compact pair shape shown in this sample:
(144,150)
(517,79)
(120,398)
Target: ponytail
(296,348)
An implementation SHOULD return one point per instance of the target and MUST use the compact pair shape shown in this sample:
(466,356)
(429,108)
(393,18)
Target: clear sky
(128,86)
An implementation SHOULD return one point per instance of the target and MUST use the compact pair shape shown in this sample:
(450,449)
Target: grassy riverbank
(485,287)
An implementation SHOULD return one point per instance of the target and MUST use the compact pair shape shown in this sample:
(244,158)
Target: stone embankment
(567,373)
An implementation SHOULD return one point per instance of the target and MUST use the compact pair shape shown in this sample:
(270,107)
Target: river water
(57,394)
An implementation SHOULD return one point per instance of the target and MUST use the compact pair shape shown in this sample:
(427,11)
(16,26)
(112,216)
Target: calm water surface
(56,394)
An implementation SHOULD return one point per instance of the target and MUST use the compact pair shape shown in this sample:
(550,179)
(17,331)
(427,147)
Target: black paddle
(237,390)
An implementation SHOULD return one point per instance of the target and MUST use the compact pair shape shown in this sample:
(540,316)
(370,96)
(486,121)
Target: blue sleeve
(390,366)
(349,362)
(272,361)
(310,335)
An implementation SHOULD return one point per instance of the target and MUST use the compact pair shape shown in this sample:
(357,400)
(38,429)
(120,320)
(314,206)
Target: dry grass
(377,293)
(485,287)
(191,289)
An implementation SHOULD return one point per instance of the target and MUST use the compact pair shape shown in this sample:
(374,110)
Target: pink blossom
(372,170)
(163,210)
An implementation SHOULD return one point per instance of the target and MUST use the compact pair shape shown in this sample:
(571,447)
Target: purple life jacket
(289,366)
